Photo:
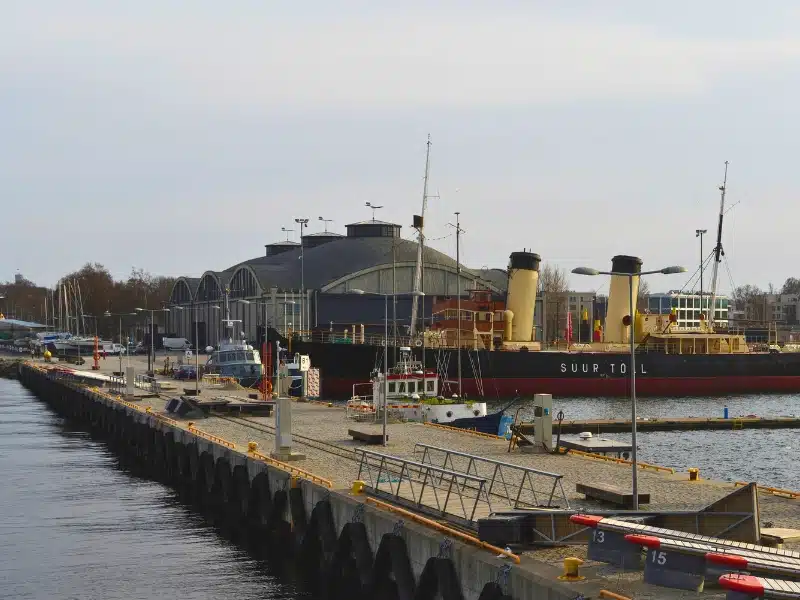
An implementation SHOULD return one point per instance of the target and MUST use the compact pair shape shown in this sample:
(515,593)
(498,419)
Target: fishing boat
(412,393)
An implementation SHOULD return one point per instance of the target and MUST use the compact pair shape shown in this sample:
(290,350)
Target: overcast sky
(180,137)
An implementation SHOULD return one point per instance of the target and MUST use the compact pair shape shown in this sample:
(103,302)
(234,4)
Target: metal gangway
(520,486)
(455,496)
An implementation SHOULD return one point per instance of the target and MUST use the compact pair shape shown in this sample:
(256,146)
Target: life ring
(418,343)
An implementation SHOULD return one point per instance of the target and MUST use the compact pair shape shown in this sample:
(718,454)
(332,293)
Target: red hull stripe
(606,387)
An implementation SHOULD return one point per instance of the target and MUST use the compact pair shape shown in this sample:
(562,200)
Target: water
(74,525)
(767,456)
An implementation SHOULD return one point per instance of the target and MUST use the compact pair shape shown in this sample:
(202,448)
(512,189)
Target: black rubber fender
(350,570)
(241,490)
(392,576)
(223,478)
(493,591)
(260,499)
(298,512)
(205,480)
(439,580)
(319,542)
(277,510)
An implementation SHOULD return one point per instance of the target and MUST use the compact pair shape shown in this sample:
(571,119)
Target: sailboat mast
(421,245)
(718,251)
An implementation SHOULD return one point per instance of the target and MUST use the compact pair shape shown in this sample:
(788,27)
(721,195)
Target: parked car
(185,372)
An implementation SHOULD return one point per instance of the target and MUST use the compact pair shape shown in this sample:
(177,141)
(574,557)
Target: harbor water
(76,525)
(767,456)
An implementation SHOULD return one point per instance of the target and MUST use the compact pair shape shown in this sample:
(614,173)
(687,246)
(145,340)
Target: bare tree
(642,298)
(552,279)
(552,286)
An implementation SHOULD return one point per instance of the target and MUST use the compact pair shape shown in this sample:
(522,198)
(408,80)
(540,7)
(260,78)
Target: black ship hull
(567,374)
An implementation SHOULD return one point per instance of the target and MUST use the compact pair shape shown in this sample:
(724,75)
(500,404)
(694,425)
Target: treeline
(755,302)
(99,293)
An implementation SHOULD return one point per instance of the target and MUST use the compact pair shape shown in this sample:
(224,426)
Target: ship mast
(718,251)
(421,245)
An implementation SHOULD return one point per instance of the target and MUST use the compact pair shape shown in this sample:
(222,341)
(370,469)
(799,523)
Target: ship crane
(718,252)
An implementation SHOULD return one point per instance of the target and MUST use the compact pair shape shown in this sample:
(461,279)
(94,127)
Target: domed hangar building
(328,282)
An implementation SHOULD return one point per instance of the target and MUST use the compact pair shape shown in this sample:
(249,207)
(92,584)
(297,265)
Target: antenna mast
(418,270)
(718,251)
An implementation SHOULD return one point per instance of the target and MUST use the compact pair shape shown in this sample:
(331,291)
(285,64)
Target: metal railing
(147,383)
(520,486)
(448,492)
(116,383)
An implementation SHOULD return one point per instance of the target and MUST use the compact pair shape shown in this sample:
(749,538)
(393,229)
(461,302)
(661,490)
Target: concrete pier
(342,543)
(306,512)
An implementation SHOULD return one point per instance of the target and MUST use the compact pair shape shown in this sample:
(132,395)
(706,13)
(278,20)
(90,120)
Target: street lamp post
(303,224)
(152,354)
(125,345)
(386,349)
(277,353)
(196,345)
(632,336)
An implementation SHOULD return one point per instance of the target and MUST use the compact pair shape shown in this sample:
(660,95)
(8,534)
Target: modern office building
(689,307)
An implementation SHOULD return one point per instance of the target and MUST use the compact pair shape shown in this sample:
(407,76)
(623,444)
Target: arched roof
(244,283)
(341,258)
(211,285)
(184,290)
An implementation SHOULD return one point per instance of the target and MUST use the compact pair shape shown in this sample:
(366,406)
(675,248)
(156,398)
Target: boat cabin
(406,380)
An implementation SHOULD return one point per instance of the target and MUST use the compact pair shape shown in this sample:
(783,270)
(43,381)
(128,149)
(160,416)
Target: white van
(176,344)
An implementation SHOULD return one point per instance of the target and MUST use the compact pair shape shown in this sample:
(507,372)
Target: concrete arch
(244,283)
(210,287)
(182,292)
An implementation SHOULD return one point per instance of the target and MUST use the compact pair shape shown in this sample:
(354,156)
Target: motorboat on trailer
(411,392)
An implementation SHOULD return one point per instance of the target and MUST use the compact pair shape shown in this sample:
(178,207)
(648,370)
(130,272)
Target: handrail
(771,490)
(291,469)
(211,437)
(641,465)
(442,528)
(437,479)
(501,473)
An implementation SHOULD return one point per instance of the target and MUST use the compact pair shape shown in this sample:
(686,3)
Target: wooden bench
(610,494)
(366,436)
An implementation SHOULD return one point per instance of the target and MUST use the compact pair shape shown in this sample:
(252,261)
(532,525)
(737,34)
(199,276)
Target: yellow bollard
(358,487)
(694,474)
(252,446)
(571,566)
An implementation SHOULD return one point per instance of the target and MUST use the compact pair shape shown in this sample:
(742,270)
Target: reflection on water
(76,526)
(763,455)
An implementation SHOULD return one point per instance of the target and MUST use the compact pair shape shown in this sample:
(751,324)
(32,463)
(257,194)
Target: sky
(181,136)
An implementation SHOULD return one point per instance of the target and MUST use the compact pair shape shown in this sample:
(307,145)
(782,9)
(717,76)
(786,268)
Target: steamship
(501,358)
